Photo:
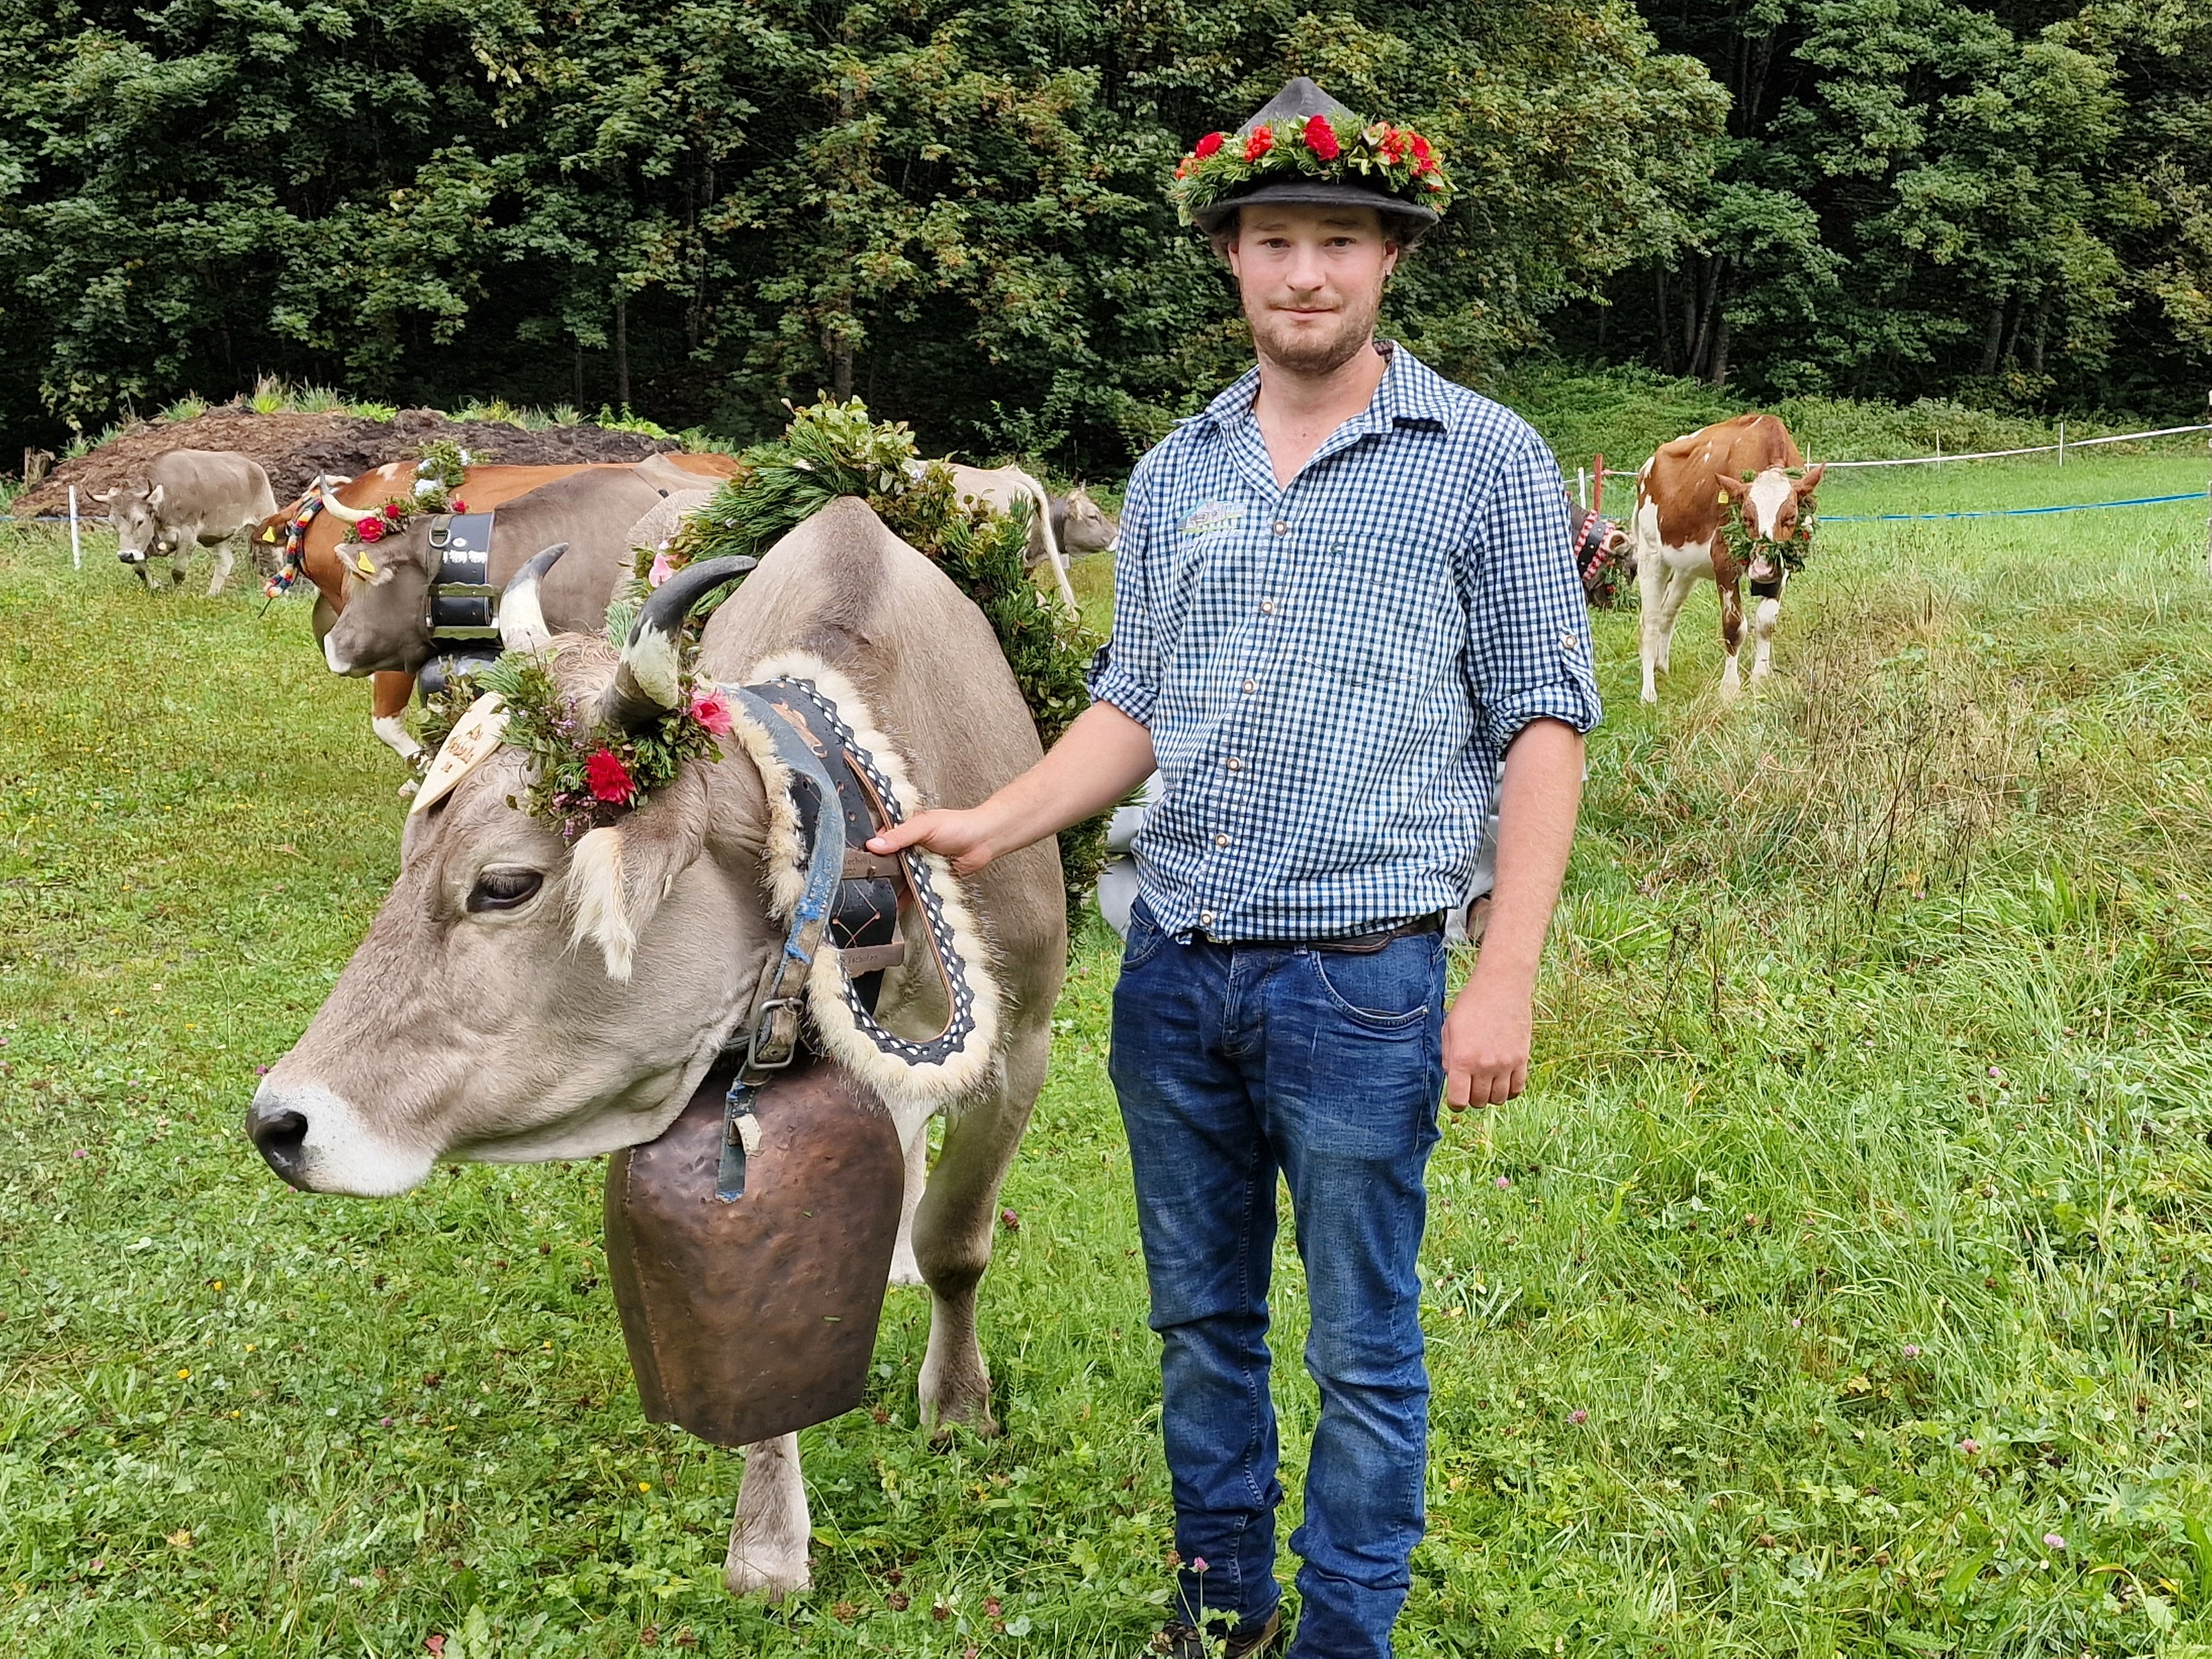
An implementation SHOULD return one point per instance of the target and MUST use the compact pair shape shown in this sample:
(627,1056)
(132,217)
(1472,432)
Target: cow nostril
(281,1136)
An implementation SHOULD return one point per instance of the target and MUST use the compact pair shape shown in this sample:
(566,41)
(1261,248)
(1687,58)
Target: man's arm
(1096,762)
(1490,1028)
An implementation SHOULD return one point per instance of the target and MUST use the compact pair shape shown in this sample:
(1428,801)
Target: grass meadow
(1841,1286)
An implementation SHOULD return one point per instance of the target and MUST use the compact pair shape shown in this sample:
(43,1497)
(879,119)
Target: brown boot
(1176,1640)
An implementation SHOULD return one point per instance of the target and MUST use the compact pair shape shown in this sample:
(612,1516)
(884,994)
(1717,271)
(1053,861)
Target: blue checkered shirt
(1331,671)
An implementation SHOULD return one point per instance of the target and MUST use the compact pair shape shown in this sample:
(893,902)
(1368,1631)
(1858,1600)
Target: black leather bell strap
(772,1028)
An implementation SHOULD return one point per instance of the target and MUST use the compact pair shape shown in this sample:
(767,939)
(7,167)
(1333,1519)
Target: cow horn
(645,681)
(339,510)
(521,617)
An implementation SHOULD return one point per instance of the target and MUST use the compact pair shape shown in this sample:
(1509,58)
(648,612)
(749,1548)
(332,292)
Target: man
(1342,592)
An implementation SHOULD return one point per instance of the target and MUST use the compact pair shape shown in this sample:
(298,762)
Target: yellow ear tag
(1725,498)
(364,565)
(268,535)
(474,736)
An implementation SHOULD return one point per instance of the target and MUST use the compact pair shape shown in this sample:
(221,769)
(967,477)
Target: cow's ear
(1733,489)
(1811,481)
(617,876)
(154,496)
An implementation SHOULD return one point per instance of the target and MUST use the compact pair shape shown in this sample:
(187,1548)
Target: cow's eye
(505,888)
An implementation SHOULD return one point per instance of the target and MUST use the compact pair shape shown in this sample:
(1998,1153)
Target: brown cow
(483,489)
(1682,495)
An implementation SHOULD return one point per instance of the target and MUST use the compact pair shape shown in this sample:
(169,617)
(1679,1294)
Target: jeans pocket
(1144,938)
(1394,991)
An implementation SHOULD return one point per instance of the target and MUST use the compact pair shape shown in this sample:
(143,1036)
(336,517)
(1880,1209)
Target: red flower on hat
(1321,138)
(1208,145)
(1392,145)
(370,529)
(608,778)
(1261,141)
(1424,160)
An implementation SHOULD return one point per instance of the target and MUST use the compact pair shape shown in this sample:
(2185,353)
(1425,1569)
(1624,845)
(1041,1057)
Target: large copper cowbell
(755,1318)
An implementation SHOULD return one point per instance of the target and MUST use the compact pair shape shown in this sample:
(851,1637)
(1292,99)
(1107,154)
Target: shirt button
(1235,764)
(1221,840)
(1250,686)
(1267,607)
(1206,918)
(1282,526)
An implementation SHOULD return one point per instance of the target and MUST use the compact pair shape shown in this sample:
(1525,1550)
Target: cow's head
(135,510)
(1089,529)
(1771,502)
(518,999)
(385,626)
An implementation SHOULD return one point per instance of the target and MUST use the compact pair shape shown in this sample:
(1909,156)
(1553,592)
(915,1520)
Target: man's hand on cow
(1487,1035)
(962,837)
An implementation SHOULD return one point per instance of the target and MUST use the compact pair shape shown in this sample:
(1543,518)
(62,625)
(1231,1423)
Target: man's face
(1312,281)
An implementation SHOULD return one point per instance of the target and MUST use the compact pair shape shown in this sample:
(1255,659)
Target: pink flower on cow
(1321,138)
(661,571)
(608,778)
(370,529)
(1209,145)
(712,710)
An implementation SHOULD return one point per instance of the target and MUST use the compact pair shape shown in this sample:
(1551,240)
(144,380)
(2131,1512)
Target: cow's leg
(1651,575)
(224,558)
(1672,588)
(1731,636)
(1763,621)
(1060,576)
(768,1539)
(180,563)
(387,709)
(952,1232)
(905,1270)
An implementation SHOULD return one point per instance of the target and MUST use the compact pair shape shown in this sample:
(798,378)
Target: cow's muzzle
(132,556)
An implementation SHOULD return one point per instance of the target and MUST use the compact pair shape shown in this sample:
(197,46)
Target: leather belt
(1361,945)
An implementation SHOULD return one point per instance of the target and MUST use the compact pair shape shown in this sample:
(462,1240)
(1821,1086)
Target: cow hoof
(770,1581)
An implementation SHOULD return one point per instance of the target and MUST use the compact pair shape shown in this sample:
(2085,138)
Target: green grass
(1869,1119)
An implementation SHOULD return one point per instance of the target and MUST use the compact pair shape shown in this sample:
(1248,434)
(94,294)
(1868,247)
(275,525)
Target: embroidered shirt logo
(1214,515)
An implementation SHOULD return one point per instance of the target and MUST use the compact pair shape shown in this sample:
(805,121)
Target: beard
(1307,346)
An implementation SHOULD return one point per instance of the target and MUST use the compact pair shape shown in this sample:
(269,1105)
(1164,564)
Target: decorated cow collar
(591,764)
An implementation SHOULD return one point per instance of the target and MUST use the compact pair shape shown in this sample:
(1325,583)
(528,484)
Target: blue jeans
(1234,1063)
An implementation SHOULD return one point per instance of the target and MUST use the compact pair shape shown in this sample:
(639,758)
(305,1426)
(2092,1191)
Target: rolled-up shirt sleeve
(1529,655)
(1126,672)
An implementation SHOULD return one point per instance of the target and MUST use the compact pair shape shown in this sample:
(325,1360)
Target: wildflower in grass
(184,1376)
(2051,1541)
(1578,1417)
(645,1485)
(433,1645)
(1970,1445)
(1912,1351)
(383,1422)
(1012,1222)
(1504,1182)
(1198,1563)
(79,1152)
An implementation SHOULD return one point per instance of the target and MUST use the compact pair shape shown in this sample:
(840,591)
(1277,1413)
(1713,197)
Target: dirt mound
(293,448)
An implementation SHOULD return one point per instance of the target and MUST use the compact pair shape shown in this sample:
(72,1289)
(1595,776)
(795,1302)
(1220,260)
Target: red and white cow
(1684,494)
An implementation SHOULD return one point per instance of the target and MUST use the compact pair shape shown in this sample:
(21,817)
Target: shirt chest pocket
(1378,614)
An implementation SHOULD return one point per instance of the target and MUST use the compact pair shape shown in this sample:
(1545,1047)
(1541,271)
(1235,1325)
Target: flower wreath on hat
(1378,156)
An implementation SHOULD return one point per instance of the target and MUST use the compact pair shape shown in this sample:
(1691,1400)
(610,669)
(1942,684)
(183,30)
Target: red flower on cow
(371,529)
(457,505)
(1321,138)
(1261,141)
(712,710)
(394,512)
(608,778)
(1209,145)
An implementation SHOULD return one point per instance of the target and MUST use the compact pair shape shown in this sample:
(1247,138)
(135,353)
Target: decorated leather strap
(802,700)
(772,1028)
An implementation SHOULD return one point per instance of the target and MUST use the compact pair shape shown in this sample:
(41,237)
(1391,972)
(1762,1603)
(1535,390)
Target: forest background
(954,207)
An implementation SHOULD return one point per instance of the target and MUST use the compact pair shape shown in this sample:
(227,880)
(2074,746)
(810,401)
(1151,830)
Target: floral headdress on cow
(592,759)
(1305,149)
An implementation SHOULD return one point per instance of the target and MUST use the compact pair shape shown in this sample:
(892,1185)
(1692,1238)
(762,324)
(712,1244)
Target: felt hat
(1359,169)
